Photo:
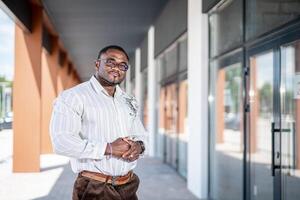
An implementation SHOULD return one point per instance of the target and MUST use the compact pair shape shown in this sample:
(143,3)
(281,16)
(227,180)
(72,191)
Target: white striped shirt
(85,118)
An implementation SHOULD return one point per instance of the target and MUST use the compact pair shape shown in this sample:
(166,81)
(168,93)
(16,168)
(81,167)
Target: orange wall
(220,106)
(38,80)
(49,92)
(27,96)
(62,79)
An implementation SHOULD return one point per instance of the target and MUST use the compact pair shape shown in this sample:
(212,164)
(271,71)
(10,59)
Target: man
(96,124)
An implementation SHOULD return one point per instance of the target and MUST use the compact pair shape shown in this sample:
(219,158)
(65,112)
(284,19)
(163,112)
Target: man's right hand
(119,147)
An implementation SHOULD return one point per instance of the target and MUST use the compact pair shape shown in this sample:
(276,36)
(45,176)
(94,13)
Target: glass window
(171,61)
(226,27)
(261,117)
(226,132)
(160,147)
(145,97)
(182,55)
(171,117)
(263,16)
(290,120)
(182,127)
(161,66)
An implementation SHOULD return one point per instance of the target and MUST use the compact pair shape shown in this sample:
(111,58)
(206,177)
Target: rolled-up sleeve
(65,129)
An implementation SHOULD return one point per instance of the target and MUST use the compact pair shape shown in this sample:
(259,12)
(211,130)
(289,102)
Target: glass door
(171,117)
(226,130)
(274,123)
(261,102)
(290,120)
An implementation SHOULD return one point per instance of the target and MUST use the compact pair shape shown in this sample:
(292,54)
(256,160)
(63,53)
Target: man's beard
(105,81)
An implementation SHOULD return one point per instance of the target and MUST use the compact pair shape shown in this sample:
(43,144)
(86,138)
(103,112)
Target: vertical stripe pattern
(85,118)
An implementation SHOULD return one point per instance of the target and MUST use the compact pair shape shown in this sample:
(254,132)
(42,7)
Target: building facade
(218,83)
(252,96)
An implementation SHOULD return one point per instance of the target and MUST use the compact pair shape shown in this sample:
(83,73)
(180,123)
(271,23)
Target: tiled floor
(55,181)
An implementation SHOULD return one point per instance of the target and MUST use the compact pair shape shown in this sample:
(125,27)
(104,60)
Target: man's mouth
(114,73)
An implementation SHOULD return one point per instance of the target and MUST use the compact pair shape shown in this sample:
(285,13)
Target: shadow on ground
(62,190)
(157,181)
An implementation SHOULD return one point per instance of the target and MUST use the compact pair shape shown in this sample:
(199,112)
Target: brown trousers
(89,189)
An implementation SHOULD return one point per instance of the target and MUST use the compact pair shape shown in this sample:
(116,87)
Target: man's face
(112,75)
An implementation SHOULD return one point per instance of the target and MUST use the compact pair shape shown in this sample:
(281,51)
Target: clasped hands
(124,148)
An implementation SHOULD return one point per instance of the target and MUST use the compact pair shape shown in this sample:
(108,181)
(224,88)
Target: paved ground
(55,181)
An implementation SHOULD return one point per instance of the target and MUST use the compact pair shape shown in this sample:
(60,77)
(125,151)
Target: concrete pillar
(27,96)
(49,92)
(138,80)
(152,101)
(197,178)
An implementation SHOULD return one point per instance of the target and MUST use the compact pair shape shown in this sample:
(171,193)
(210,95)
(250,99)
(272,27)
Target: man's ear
(97,64)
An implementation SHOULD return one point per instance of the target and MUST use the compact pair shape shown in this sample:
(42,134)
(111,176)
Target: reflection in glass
(263,15)
(290,121)
(226,137)
(171,117)
(182,48)
(261,117)
(171,61)
(226,27)
(182,127)
(144,103)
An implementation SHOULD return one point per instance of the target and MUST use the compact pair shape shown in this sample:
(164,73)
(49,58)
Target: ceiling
(85,27)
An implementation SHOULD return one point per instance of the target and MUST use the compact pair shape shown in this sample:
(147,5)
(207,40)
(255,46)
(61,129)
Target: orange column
(162,110)
(70,80)
(182,106)
(65,75)
(74,79)
(254,106)
(220,106)
(62,77)
(49,92)
(27,96)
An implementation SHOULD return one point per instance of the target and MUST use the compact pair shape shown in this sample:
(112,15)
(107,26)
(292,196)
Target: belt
(114,180)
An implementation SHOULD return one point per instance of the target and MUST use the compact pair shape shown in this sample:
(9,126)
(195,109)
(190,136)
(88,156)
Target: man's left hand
(133,153)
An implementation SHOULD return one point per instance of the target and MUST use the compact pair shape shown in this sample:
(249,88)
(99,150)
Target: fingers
(133,158)
(128,141)
(126,149)
(119,147)
(128,153)
(131,155)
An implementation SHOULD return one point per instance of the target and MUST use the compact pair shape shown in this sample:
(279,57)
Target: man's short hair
(105,49)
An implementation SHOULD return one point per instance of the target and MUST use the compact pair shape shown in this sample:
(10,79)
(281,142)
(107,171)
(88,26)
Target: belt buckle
(113,180)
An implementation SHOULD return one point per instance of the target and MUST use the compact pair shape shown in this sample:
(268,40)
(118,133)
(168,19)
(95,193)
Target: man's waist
(110,166)
(114,180)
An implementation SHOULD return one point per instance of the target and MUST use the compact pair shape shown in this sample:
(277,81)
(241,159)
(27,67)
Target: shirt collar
(100,89)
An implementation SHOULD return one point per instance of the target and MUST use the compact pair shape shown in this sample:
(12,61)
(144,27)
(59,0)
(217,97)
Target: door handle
(294,145)
(273,165)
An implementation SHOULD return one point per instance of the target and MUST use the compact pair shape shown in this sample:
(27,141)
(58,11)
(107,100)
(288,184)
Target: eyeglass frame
(114,64)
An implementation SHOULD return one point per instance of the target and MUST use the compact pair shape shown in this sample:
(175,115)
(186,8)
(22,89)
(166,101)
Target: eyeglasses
(112,63)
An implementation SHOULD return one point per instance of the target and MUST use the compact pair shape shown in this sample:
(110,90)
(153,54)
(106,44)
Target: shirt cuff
(99,150)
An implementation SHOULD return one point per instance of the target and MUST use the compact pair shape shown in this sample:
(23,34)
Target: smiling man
(96,124)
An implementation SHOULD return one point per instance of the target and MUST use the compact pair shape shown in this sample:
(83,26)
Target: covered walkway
(55,181)
(55,46)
